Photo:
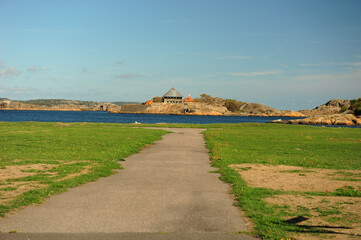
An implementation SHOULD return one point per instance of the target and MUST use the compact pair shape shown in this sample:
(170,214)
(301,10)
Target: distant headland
(334,112)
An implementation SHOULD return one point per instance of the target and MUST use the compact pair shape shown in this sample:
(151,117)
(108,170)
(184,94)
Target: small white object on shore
(135,122)
(276,121)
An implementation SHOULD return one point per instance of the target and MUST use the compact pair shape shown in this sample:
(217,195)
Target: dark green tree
(232,105)
(205,98)
(157,99)
(356,106)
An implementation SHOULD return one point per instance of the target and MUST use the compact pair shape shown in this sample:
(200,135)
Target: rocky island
(334,112)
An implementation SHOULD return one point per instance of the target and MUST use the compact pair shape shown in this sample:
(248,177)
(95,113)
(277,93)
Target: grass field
(240,150)
(38,160)
(269,166)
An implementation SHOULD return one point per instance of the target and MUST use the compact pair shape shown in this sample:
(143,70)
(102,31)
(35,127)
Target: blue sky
(288,54)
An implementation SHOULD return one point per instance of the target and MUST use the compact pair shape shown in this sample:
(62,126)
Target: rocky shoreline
(335,119)
(203,109)
(326,114)
(64,105)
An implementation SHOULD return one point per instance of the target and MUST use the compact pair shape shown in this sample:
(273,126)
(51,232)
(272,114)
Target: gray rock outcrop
(335,119)
(333,106)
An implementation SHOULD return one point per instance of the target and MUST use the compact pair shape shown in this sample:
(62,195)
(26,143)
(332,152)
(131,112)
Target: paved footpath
(164,192)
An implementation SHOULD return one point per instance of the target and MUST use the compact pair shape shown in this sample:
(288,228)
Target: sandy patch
(25,131)
(11,185)
(85,171)
(17,160)
(19,171)
(10,189)
(64,124)
(340,216)
(20,188)
(291,178)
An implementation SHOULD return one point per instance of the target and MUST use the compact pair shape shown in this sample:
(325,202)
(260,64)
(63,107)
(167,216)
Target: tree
(205,98)
(356,106)
(232,105)
(157,99)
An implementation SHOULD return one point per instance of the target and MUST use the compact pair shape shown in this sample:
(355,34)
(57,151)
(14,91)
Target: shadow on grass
(294,226)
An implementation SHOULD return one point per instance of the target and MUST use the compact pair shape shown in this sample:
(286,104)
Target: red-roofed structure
(189,99)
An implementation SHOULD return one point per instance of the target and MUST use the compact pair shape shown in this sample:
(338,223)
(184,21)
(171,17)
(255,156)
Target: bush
(205,98)
(157,99)
(347,191)
(344,109)
(232,105)
(356,106)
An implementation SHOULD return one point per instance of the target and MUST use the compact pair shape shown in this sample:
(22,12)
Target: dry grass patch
(19,171)
(11,132)
(65,124)
(291,178)
(14,182)
(85,171)
(322,217)
(12,190)
(340,217)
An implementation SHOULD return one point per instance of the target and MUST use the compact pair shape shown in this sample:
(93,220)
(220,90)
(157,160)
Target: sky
(287,54)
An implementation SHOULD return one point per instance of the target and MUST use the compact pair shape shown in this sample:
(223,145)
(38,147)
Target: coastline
(326,120)
(130,112)
(327,114)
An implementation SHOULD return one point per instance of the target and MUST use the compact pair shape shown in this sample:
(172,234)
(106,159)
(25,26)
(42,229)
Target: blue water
(105,117)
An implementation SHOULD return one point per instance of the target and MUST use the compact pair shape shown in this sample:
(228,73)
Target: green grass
(347,191)
(73,148)
(67,149)
(305,146)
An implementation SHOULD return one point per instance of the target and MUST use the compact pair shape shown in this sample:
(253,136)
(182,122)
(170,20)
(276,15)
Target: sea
(105,117)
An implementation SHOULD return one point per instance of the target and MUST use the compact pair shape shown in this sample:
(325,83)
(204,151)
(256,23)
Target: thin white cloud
(351,79)
(9,72)
(321,86)
(357,64)
(234,57)
(37,68)
(20,90)
(128,76)
(314,77)
(267,60)
(197,54)
(330,64)
(1,64)
(253,74)
(15,90)
(315,64)
(32,69)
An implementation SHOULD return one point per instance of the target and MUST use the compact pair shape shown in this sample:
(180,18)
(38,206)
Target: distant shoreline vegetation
(56,102)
